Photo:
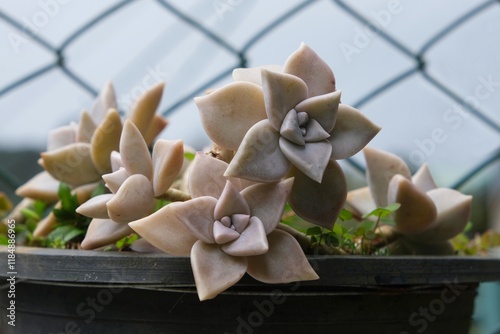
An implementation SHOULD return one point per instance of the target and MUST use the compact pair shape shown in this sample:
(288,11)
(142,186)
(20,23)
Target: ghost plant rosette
(428,216)
(289,123)
(234,230)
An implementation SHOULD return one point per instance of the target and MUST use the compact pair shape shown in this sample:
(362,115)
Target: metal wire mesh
(419,59)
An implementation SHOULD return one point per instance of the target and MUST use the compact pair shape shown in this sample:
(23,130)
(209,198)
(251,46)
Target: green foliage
(126,242)
(478,244)
(188,155)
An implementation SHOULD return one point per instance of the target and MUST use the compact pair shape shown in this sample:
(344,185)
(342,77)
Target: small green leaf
(468,227)
(188,155)
(370,235)
(345,215)
(39,207)
(316,230)
(360,231)
(99,190)
(30,214)
(331,240)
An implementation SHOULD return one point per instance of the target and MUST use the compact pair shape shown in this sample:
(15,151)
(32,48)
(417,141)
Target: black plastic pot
(65,291)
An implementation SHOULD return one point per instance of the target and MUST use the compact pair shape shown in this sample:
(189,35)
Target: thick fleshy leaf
(223,234)
(143,111)
(253,74)
(105,101)
(42,186)
(252,241)
(361,200)
(417,211)
(352,132)
(282,92)
(134,200)
(115,180)
(453,213)
(423,179)
(95,207)
(116,161)
(290,128)
(62,136)
(102,232)
(158,124)
(230,202)
(105,140)
(165,231)
(322,108)
(319,203)
(206,176)
(238,220)
(168,157)
(197,215)
(214,271)
(284,262)
(228,113)
(267,201)
(143,246)
(134,151)
(86,128)
(311,158)
(71,164)
(307,65)
(381,166)
(259,157)
(315,132)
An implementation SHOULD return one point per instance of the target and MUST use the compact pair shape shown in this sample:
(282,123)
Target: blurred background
(427,72)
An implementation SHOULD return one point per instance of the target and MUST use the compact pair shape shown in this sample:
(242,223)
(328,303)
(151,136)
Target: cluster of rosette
(280,130)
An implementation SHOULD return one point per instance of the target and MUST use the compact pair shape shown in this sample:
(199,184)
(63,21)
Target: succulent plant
(135,183)
(228,229)
(428,216)
(289,123)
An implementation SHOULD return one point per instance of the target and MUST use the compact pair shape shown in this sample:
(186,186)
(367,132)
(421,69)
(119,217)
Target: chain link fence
(418,59)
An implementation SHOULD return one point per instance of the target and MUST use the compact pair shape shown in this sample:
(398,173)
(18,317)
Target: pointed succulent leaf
(282,92)
(453,213)
(315,132)
(95,207)
(168,157)
(158,124)
(381,166)
(259,157)
(116,161)
(165,231)
(62,136)
(223,234)
(290,128)
(198,216)
(105,140)
(267,201)
(206,176)
(42,186)
(86,128)
(284,262)
(103,232)
(319,203)
(134,151)
(115,180)
(423,179)
(361,200)
(417,211)
(230,202)
(322,108)
(239,221)
(46,225)
(71,164)
(214,270)
(228,113)
(143,246)
(352,132)
(134,200)
(253,74)
(143,112)
(105,101)
(252,241)
(311,159)
(307,65)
